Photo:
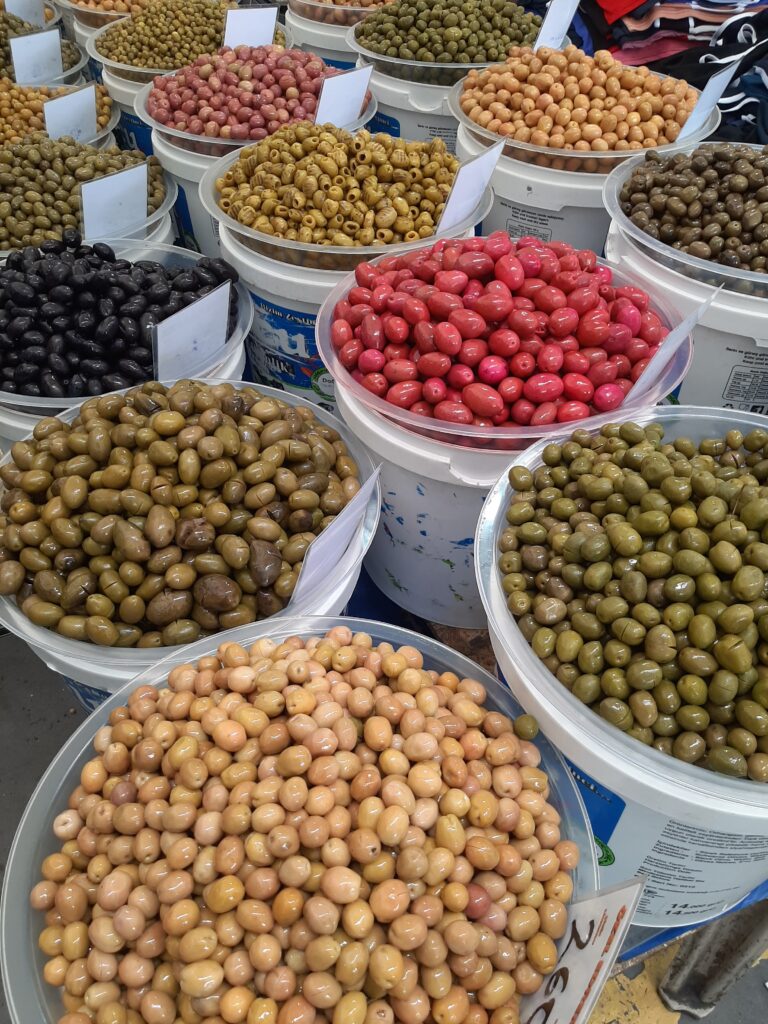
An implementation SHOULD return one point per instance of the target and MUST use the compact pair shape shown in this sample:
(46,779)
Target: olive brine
(76,320)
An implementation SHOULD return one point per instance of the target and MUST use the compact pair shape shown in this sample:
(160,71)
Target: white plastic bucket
(286,301)
(410,110)
(131,131)
(532,200)
(730,351)
(197,227)
(82,34)
(701,839)
(327,41)
(93,673)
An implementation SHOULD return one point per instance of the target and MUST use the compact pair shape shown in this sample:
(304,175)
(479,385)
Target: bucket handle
(435,108)
(463,468)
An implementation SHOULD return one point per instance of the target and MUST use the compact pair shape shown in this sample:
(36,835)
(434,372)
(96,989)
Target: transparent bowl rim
(149,250)
(665,383)
(207,197)
(17,623)
(661,251)
(373,58)
(49,794)
(699,784)
(610,156)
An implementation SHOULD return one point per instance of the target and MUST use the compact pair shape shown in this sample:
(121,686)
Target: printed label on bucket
(283,353)
(417,126)
(727,371)
(689,869)
(584,228)
(89,696)
(132,133)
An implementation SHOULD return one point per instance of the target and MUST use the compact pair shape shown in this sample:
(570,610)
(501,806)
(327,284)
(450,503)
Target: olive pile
(442,32)
(164,514)
(711,203)
(310,830)
(21,109)
(168,34)
(10,25)
(40,182)
(637,570)
(320,185)
(75,320)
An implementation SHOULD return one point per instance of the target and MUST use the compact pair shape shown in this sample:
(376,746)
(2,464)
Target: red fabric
(615,9)
(654,48)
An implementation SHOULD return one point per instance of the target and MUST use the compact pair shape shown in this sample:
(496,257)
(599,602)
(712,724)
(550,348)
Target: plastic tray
(748,282)
(333,15)
(318,257)
(571,161)
(169,256)
(29,998)
(131,72)
(217,148)
(89,17)
(631,758)
(511,438)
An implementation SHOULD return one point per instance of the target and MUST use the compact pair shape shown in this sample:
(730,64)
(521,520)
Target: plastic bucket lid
(126,662)
(29,998)
(633,770)
(201,145)
(509,438)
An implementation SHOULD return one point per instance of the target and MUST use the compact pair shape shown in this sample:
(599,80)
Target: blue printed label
(89,696)
(604,808)
(343,64)
(283,353)
(132,133)
(186,232)
(381,122)
(94,70)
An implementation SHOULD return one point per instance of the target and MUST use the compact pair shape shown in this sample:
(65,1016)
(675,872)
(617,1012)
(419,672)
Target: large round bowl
(216,147)
(318,257)
(331,14)
(29,998)
(700,799)
(90,17)
(117,665)
(588,162)
(709,272)
(504,437)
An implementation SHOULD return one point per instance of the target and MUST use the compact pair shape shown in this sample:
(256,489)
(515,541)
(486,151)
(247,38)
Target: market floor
(38,713)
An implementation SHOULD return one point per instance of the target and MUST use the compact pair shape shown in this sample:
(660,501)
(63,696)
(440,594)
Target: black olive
(134,306)
(204,276)
(29,253)
(132,370)
(73,360)
(118,347)
(52,245)
(76,386)
(58,364)
(59,324)
(115,295)
(15,261)
(19,325)
(86,299)
(94,367)
(159,293)
(57,273)
(50,310)
(173,305)
(104,251)
(50,385)
(12,358)
(25,372)
(32,390)
(6,344)
(129,329)
(86,322)
(127,284)
(115,382)
(7,373)
(143,356)
(106,331)
(71,237)
(61,293)
(36,354)
(56,345)
(35,282)
(185,282)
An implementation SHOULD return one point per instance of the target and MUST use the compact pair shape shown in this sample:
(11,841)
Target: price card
(250,26)
(471,181)
(115,203)
(191,339)
(588,950)
(72,114)
(668,347)
(556,23)
(342,96)
(710,97)
(324,552)
(32,11)
(37,57)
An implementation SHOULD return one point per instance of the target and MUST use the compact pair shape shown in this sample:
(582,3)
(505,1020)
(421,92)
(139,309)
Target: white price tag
(72,114)
(710,97)
(588,950)
(556,23)
(471,181)
(342,96)
(115,203)
(324,552)
(193,337)
(32,11)
(250,26)
(668,347)
(37,57)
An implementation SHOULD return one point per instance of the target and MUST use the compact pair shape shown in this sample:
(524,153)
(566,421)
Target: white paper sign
(250,26)
(191,339)
(323,553)
(588,950)
(471,181)
(72,114)
(115,203)
(341,97)
(710,97)
(556,23)
(32,11)
(669,346)
(37,57)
